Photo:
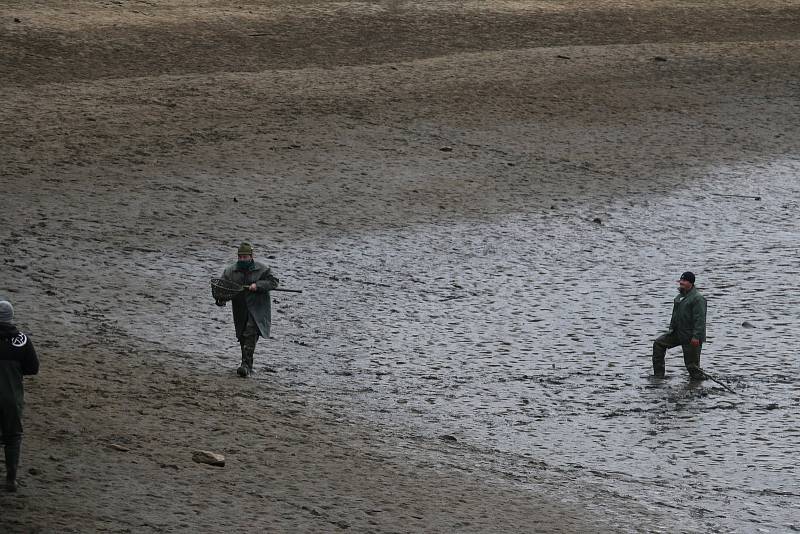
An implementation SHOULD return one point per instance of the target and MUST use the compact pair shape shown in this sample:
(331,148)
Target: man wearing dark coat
(17,358)
(252,312)
(687,328)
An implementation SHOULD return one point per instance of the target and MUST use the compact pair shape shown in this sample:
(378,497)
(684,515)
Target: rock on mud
(208,457)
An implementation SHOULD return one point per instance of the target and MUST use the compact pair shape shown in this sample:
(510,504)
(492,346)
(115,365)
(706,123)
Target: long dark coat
(255,303)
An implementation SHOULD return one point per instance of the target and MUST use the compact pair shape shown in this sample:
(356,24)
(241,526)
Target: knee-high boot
(659,368)
(12,448)
(248,349)
(244,368)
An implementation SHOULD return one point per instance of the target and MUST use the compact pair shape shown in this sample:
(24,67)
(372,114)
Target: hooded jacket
(17,358)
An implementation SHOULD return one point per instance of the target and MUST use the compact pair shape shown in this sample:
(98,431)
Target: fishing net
(224,290)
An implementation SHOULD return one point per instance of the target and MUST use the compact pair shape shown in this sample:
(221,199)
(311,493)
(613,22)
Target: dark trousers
(691,355)
(11,430)
(248,342)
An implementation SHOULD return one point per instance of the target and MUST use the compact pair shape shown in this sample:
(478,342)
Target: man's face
(245,257)
(684,285)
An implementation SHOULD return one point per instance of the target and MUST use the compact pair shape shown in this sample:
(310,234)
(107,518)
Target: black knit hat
(6,312)
(688,276)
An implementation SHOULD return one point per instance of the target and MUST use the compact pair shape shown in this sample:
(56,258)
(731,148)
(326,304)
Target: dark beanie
(6,312)
(688,276)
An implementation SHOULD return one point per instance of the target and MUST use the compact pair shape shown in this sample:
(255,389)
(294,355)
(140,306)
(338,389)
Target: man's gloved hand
(219,302)
(266,285)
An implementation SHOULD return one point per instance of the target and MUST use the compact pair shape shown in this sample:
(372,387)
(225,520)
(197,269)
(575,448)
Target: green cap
(245,249)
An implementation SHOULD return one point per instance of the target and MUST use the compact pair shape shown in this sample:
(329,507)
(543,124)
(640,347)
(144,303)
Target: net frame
(225,290)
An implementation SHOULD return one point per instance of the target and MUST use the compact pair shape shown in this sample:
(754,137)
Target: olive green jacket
(255,303)
(689,316)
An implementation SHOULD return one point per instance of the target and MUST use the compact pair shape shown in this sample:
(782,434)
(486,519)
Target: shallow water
(529,334)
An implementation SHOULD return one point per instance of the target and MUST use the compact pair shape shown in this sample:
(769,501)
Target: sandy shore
(129,128)
(109,447)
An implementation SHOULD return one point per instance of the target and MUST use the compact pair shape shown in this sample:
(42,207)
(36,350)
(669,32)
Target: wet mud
(530,334)
(487,242)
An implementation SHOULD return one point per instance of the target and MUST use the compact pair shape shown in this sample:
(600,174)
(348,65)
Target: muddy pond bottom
(530,334)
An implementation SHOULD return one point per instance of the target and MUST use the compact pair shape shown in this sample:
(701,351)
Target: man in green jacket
(252,312)
(687,328)
(17,358)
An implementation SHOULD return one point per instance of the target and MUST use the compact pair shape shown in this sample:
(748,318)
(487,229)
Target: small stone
(17,20)
(748,324)
(208,457)
(118,447)
(448,437)
(659,58)
(597,220)
(34,472)
(446,149)
(773,406)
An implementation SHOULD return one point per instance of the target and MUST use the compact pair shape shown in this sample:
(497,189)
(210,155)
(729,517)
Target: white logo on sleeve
(20,340)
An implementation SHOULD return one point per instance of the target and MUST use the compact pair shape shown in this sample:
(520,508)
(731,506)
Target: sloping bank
(110,436)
